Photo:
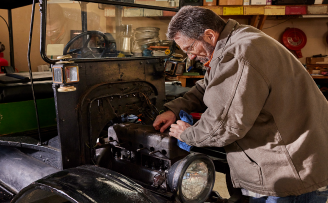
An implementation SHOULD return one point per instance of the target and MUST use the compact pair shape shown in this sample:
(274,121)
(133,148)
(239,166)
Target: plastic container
(210,2)
(144,37)
(315,72)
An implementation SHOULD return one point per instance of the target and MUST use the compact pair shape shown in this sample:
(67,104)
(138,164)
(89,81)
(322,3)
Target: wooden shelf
(183,78)
(141,17)
(259,13)
(319,77)
(266,5)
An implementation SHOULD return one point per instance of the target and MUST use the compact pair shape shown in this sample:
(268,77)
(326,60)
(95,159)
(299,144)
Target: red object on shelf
(294,39)
(3,62)
(295,10)
(169,13)
(196,116)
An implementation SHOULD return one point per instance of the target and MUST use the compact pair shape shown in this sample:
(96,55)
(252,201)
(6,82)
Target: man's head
(196,30)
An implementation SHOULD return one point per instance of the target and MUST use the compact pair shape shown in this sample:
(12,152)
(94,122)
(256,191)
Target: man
(260,104)
(56,31)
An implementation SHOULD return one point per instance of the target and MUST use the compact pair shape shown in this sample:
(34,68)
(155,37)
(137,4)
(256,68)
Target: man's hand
(177,129)
(164,120)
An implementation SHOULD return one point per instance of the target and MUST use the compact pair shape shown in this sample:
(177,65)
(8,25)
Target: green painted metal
(20,116)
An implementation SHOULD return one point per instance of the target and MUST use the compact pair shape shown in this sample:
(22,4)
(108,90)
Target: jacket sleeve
(234,97)
(191,101)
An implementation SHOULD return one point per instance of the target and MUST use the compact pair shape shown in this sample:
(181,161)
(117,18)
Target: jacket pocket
(244,169)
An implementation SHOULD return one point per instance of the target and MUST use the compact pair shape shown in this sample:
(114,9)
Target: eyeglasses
(190,49)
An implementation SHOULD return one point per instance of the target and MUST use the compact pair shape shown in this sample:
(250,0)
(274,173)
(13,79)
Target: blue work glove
(188,119)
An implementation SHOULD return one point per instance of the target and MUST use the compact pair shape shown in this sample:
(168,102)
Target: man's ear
(210,36)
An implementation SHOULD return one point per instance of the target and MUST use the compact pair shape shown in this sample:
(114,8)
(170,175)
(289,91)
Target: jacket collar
(222,41)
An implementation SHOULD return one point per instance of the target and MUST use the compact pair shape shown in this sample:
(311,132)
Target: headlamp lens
(195,179)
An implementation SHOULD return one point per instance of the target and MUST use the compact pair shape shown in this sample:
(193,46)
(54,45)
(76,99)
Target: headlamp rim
(179,170)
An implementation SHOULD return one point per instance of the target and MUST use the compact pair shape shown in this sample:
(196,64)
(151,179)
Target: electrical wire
(277,24)
(5,22)
(150,104)
(30,70)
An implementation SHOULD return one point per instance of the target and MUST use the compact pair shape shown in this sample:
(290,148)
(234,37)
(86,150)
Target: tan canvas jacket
(264,108)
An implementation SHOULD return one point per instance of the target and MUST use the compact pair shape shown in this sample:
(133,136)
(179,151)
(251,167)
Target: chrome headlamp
(192,178)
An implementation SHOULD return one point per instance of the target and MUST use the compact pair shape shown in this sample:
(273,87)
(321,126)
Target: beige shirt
(265,109)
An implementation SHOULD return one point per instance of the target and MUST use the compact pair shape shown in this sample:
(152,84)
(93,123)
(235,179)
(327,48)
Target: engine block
(142,153)
(146,139)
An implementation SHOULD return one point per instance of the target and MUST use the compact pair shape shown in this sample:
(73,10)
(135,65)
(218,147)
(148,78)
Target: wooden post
(253,21)
(261,23)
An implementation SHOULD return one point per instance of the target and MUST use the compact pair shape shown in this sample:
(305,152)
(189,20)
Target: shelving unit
(257,14)
(320,77)
(266,9)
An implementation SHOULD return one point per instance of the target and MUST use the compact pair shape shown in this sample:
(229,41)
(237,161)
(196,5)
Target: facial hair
(209,51)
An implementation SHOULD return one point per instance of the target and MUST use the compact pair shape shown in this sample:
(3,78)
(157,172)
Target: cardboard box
(274,10)
(317,9)
(296,10)
(152,12)
(133,12)
(110,12)
(230,2)
(234,10)
(258,2)
(217,10)
(169,13)
(318,1)
(246,2)
(210,2)
(311,60)
(253,10)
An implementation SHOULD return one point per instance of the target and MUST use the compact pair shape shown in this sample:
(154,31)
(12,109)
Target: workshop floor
(220,185)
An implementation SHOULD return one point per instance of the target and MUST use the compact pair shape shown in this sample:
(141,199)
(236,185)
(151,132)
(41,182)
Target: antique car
(92,139)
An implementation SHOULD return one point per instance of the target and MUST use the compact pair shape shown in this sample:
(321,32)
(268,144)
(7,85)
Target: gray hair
(192,21)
